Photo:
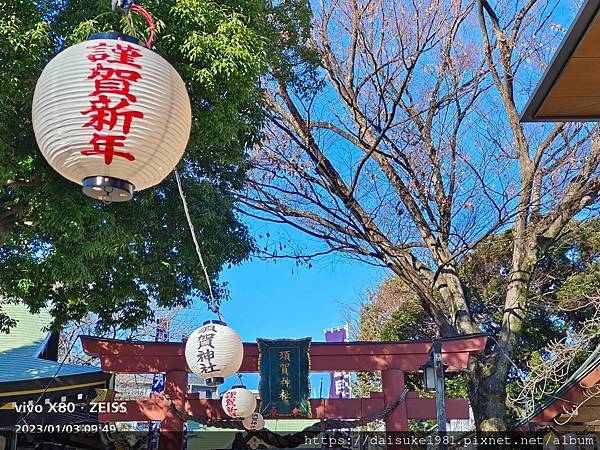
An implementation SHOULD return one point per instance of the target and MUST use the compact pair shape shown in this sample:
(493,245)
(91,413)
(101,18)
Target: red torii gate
(391,358)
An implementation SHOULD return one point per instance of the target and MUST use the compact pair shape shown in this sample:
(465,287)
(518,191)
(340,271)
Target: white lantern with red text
(238,402)
(254,422)
(214,351)
(112,116)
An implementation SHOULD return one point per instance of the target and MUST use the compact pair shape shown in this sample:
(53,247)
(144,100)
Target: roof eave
(576,379)
(576,32)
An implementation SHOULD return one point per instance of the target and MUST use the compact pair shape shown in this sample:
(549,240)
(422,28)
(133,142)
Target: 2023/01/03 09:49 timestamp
(65,428)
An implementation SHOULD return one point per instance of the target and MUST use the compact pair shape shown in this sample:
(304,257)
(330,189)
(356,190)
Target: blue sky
(276,299)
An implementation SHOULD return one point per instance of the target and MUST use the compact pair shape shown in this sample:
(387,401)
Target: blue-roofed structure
(23,351)
(29,370)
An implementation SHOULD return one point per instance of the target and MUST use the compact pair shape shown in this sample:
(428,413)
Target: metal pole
(440,395)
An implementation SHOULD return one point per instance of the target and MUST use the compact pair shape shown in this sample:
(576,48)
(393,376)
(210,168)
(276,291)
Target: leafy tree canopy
(562,284)
(61,249)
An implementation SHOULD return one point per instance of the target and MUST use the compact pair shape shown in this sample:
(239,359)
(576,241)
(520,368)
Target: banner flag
(284,366)
(339,382)
(158,383)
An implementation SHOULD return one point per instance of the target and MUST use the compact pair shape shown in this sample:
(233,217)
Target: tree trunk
(489,374)
(8,220)
(3,234)
(487,392)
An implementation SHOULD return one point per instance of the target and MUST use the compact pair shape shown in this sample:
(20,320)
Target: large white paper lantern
(238,402)
(254,422)
(214,351)
(112,116)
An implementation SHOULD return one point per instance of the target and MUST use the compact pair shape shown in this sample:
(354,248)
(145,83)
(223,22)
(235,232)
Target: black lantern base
(108,189)
(218,322)
(214,382)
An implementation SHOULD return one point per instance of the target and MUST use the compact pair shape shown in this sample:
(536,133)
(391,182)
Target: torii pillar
(171,427)
(392,384)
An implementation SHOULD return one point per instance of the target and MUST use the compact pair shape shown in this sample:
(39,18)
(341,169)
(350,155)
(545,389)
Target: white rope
(193,232)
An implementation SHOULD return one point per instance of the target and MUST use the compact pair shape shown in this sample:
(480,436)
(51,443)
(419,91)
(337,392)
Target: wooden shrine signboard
(284,366)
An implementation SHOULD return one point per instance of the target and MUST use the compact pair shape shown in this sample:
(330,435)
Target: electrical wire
(141,11)
(39,399)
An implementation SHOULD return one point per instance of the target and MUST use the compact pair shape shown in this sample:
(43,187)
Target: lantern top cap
(217,322)
(114,35)
(428,364)
(238,386)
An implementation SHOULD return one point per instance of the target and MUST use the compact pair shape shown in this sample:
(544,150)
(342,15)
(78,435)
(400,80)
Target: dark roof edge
(59,381)
(583,371)
(42,346)
(565,50)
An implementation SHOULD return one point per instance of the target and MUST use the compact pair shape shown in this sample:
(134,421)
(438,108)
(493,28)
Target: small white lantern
(112,116)
(238,402)
(429,377)
(214,351)
(254,422)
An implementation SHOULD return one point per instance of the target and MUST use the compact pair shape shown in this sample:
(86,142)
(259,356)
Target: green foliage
(402,324)
(291,57)
(560,288)
(65,250)
(562,279)
(24,46)
(394,313)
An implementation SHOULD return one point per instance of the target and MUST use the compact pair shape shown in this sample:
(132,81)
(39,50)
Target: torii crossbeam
(391,358)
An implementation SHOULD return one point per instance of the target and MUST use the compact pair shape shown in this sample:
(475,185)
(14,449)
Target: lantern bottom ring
(214,382)
(108,189)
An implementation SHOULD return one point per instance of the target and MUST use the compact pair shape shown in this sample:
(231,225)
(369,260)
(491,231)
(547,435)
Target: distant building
(197,385)
(135,387)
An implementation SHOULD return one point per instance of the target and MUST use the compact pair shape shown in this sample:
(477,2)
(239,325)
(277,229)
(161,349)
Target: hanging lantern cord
(214,306)
(146,15)
(123,7)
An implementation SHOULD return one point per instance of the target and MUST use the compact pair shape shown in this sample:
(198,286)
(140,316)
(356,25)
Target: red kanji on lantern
(113,81)
(106,145)
(122,54)
(105,110)
(106,73)
(103,115)
(99,52)
(125,54)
